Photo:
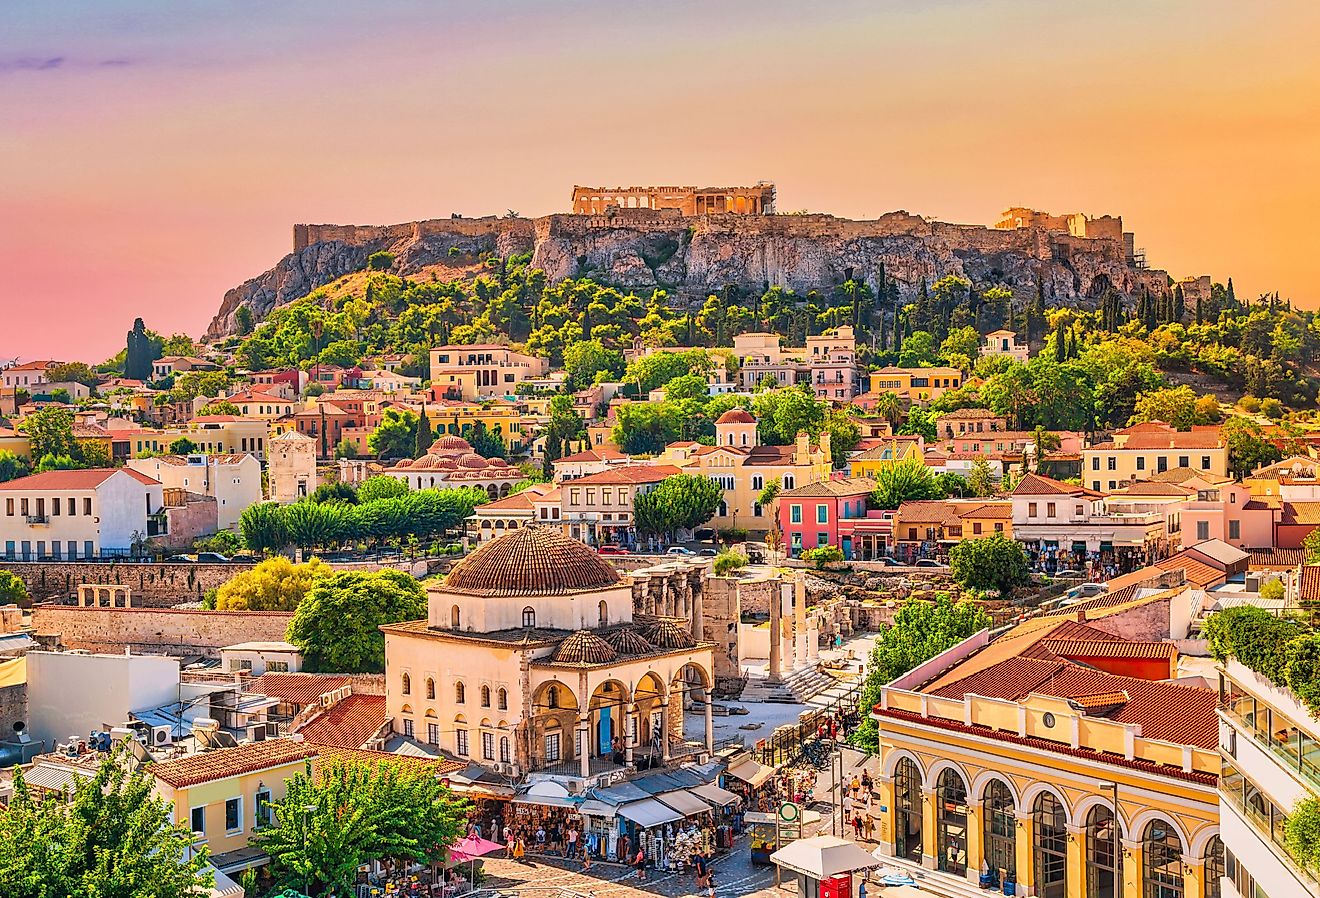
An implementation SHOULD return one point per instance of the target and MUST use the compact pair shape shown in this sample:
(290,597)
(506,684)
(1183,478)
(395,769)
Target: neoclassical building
(451,462)
(532,658)
(1008,759)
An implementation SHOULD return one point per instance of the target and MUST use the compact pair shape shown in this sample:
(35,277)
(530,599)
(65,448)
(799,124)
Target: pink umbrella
(471,848)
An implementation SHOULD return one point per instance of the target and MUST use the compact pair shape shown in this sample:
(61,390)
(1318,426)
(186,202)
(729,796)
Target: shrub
(1303,667)
(1272,590)
(381,261)
(729,561)
(1301,833)
(12,589)
(823,555)
(1252,636)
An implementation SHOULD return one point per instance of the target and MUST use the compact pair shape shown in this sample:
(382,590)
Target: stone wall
(13,709)
(171,631)
(720,612)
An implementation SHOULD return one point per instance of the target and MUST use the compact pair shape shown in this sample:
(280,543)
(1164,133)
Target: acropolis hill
(695,241)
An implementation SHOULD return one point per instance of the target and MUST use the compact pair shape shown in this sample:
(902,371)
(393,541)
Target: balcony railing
(1299,753)
(38,519)
(1269,827)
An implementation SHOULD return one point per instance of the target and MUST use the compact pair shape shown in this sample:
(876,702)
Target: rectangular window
(1095,463)
(1202,531)
(278,667)
(261,814)
(1141,463)
(87,505)
(795,514)
(1162,464)
(73,506)
(1049,509)
(1112,463)
(1234,529)
(976,529)
(55,505)
(822,539)
(234,815)
(822,514)
(1205,463)
(1095,485)
(9,507)
(488,746)
(461,743)
(407,728)
(198,821)
(1184,461)
(433,733)
(551,747)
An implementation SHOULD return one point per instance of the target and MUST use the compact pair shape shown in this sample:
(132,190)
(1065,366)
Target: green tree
(276,584)
(683,501)
(396,435)
(425,436)
(1178,406)
(589,361)
(889,407)
(981,480)
(182,446)
(645,428)
(143,349)
(782,414)
(220,408)
(649,372)
(77,372)
(349,813)
(729,561)
(823,555)
(918,350)
(13,590)
(50,432)
(1301,833)
(905,481)
(12,466)
(844,435)
(263,527)
(243,321)
(994,562)
(381,261)
(1248,449)
(111,837)
(310,525)
(50,462)
(961,348)
(381,486)
(337,623)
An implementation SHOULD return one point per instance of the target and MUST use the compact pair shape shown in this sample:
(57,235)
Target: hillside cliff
(694,256)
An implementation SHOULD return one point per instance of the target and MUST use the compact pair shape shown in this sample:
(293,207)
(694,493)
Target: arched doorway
(1161,861)
(907,811)
(554,726)
(649,695)
(951,823)
(1050,847)
(609,706)
(1103,861)
(1000,838)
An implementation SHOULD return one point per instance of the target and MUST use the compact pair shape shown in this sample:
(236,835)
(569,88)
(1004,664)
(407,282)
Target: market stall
(823,865)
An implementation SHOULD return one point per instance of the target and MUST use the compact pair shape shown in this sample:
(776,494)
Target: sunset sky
(153,155)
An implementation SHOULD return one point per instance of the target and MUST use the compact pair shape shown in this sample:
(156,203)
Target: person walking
(510,841)
(639,862)
(701,869)
(570,848)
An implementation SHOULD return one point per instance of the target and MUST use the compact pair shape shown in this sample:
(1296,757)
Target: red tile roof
(300,689)
(1198,573)
(86,479)
(822,489)
(222,763)
(348,723)
(1303,513)
(1275,558)
(625,474)
(1309,588)
(1037,485)
(1095,648)
(604,453)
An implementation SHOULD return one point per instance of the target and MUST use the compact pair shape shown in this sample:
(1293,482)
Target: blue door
(605,730)
(847,547)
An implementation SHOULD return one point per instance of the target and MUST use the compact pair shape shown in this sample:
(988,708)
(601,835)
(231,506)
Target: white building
(1270,745)
(291,467)
(234,481)
(257,658)
(75,694)
(79,514)
(1004,342)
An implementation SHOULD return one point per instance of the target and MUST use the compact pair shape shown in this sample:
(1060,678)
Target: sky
(155,154)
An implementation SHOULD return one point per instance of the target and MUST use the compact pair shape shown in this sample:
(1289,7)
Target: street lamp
(1112,788)
(307,811)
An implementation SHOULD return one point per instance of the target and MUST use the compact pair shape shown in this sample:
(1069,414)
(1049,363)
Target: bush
(12,589)
(381,261)
(728,561)
(1301,833)
(1273,590)
(1303,668)
(1254,637)
(995,562)
(823,555)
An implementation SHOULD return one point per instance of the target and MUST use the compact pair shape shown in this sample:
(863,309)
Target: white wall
(73,695)
(121,503)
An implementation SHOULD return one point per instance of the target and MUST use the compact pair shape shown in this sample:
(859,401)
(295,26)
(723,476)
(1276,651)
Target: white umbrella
(821,857)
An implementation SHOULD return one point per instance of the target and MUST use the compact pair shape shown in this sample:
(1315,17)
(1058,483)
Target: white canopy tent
(821,857)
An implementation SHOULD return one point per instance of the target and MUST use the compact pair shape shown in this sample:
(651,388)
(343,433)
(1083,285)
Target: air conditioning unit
(256,732)
(162,735)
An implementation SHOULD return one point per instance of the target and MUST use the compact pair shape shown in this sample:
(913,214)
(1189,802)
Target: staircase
(804,686)
(933,881)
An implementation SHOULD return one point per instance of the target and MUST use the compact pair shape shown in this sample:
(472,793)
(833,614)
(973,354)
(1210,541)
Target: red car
(611,550)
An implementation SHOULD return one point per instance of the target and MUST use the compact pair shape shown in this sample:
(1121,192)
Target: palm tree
(888,406)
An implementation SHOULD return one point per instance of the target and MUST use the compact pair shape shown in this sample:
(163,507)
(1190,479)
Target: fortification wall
(172,631)
(153,585)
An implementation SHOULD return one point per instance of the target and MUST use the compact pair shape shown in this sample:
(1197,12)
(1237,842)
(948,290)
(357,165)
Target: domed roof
(628,641)
(531,561)
(403,463)
(449,443)
(584,647)
(667,633)
(736,416)
(472,460)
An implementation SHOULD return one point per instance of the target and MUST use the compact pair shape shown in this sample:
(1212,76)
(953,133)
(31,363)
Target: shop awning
(823,856)
(715,795)
(648,813)
(547,794)
(752,772)
(593,808)
(685,803)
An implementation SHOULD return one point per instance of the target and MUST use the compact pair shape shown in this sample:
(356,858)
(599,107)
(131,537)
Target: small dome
(472,460)
(667,633)
(532,561)
(584,647)
(736,416)
(629,642)
(449,443)
(403,463)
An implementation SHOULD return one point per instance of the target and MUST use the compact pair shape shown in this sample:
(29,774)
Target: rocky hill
(694,256)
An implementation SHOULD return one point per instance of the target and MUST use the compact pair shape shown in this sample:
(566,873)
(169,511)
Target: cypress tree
(1230,295)
(140,352)
(1060,343)
(1072,344)
(1179,303)
(425,437)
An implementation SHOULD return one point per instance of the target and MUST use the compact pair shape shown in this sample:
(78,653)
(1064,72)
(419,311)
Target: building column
(1076,883)
(710,723)
(975,841)
(800,619)
(666,714)
(1132,869)
(776,630)
(884,788)
(930,848)
(584,737)
(632,733)
(1023,861)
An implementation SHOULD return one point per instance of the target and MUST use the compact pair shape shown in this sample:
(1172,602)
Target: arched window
(1214,866)
(485,696)
(951,823)
(460,693)
(604,612)
(455,618)
(552,697)
(504,749)
(907,810)
(1161,861)
(1050,848)
(407,685)
(1104,856)
(788,482)
(1000,832)
(430,688)
(503,698)
(529,617)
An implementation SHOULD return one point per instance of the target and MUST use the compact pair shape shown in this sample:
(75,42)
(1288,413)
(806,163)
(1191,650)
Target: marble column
(776,630)
(710,723)
(800,645)
(634,730)
(584,738)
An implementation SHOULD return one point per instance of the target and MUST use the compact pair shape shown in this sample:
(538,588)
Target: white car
(679,550)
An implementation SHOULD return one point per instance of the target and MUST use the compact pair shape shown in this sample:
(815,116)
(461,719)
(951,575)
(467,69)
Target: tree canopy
(683,501)
(337,623)
(276,584)
(993,562)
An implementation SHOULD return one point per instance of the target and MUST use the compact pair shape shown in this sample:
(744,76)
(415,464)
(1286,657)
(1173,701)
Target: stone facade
(153,585)
(756,200)
(173,631)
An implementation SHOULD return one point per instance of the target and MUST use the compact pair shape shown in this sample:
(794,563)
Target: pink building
(1227,511)
(823,514)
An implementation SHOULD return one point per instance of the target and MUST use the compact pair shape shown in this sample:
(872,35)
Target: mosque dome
(584,647)
(532,561)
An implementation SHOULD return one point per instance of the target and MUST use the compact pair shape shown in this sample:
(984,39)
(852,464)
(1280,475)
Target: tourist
(510,841)
(540,838)
(700,868)
(639,863)
(857,826)
(570,848)
(519,849)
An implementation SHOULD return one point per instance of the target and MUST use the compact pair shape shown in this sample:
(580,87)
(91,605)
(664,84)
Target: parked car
(679,550)
(212,558)
(888,561)
(928,562)
(183,559)
(1086,591)
(1070,574)
(708,553)
(611,550)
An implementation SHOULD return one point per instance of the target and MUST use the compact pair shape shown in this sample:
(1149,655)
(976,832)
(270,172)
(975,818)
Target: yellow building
(743,468)
(1005,760)
(916,384)
(15,442)
(886,455)
(1141,451)
(482,371)
(503,418)
(213,434)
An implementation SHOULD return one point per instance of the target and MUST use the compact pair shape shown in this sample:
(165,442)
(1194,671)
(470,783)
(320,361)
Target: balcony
(38,520)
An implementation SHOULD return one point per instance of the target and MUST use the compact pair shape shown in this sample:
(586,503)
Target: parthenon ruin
(756,200)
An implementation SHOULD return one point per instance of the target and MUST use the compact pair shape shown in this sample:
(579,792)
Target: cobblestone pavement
(735,875)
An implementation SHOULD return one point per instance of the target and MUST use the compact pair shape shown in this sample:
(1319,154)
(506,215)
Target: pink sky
(154,155)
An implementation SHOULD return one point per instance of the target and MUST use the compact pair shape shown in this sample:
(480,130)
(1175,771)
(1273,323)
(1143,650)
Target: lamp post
(1112,788)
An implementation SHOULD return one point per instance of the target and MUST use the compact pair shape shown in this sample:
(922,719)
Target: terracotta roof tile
(301,689)
(348,723)
(628,474)
(222,763)
(1096,648)
(1036,485)
(1275,558)
(85,479)
(1303,513)
(821,489)
(531,561)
